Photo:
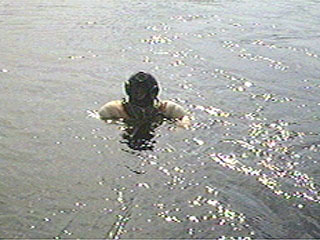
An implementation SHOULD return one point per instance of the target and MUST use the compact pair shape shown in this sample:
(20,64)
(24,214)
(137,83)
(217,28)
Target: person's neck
(145,103)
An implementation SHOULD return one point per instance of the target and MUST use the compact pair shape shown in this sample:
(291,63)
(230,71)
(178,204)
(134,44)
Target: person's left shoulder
(113,110)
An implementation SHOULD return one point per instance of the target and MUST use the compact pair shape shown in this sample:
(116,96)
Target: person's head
(142,89)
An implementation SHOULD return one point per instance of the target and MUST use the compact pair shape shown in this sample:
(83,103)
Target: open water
(249,73)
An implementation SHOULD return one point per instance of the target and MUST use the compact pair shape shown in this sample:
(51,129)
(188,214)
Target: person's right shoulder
(112,110)
(175,111)
(172,110)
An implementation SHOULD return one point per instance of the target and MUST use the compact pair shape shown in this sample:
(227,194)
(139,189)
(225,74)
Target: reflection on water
(248,167)
(139,135)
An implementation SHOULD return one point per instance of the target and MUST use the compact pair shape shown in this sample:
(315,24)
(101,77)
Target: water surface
(248,71)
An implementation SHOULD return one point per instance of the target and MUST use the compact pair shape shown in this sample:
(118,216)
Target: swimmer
(142,105)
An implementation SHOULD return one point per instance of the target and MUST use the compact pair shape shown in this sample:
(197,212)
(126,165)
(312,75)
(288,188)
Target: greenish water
(248,71)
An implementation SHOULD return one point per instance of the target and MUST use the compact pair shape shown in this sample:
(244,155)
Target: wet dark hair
(142,89)
(144,84)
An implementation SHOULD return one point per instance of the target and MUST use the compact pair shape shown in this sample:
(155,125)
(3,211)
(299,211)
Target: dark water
(247,70)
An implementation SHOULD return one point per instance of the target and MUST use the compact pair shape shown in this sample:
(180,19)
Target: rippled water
(248,71)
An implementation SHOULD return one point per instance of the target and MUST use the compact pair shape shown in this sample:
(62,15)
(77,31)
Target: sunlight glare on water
(247,71)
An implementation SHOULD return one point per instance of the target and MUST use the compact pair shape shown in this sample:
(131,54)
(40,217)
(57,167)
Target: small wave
(93,114)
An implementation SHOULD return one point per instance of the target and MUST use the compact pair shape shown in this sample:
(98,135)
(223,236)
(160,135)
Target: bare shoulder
(112,110)
(175,111)
(171,109)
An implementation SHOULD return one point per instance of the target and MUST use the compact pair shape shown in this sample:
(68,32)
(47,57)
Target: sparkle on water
(247,167)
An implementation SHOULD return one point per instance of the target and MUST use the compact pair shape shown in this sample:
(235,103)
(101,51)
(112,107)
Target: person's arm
(112,110)
(175,111)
